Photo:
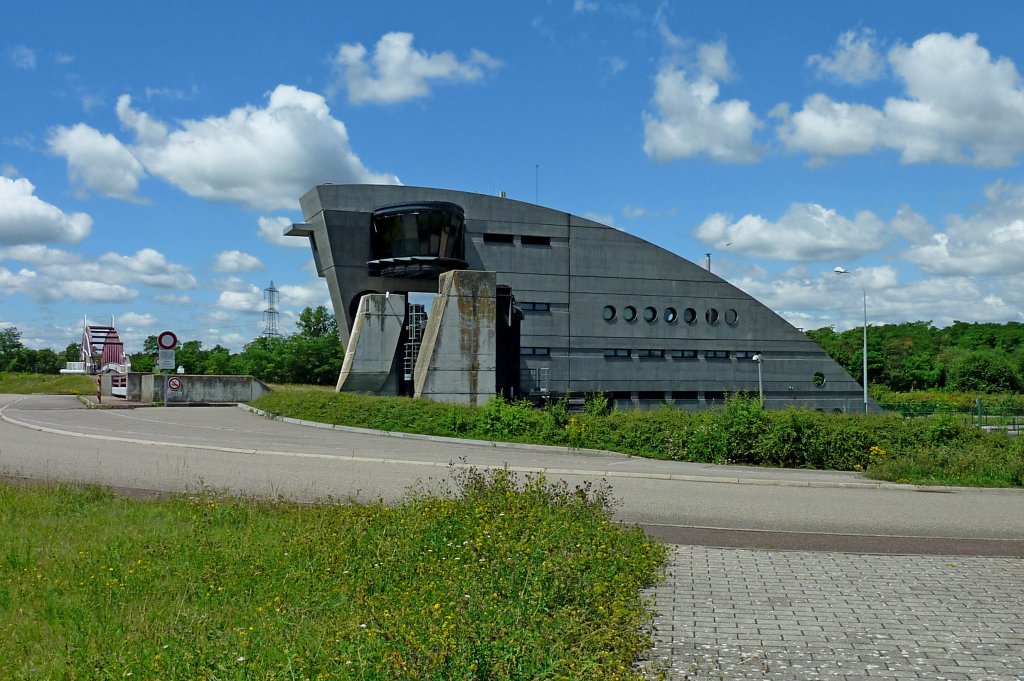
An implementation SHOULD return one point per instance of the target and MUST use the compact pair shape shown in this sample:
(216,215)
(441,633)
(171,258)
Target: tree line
(312,355)
(962,357)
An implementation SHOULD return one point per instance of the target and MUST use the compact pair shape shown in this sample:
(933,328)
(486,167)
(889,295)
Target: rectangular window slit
(493,238)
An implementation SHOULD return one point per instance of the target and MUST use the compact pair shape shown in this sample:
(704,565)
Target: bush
(885,445)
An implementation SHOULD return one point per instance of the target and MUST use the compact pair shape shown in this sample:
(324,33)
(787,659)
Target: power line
(270,315)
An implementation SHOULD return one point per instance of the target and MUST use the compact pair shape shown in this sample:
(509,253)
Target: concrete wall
(457,358)
(202,389)
(372,352)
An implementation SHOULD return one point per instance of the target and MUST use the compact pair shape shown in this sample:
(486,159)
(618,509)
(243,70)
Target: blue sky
(151,154)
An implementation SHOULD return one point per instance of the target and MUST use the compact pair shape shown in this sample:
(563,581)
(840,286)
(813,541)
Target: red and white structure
(102,352)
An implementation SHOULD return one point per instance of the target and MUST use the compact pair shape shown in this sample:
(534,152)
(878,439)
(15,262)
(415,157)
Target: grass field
(495,578)
(49,384)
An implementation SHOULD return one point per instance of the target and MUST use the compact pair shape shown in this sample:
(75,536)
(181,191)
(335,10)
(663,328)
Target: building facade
(595,308)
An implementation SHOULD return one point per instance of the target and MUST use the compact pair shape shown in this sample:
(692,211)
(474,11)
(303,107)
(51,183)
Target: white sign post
(165,360)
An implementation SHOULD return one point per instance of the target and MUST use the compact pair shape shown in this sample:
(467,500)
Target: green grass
(48,384)
(936,449)
(495,579)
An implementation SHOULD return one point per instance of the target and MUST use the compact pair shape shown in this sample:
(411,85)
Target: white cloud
(236,261)
(272,231)
(259,157)
(397,72)
(248,300)
(961,106)
(855,58)
(633,212)
(96,292)
(146,266)
(172,299)
(171,93)
(806,233)
(308,295)
(828,128)
(616,65)
(97,161)
(987,242)
(131,320)
(691,121)
(600,218)
(22,281)
(584,6)
(149,267)
(23,57)
(910,225)
(713,61)
(36,254)
(25,219)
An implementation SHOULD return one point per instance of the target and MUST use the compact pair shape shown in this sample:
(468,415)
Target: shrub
(501,419)
(885,445)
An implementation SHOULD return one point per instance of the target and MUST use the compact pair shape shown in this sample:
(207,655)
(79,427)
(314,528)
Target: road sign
(165,359)
(174,383)
(167,341)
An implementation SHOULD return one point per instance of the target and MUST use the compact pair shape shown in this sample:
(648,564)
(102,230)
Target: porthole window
(609,313)
(819,379)
(650,314)
(731,317)
(629,313)
(671,315)
(689,315)
(711,316)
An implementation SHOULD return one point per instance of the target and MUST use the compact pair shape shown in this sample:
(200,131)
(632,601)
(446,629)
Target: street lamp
(760,385)
(864,350)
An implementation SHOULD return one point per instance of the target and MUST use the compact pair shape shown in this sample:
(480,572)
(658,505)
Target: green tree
(316,322)
(189,355)
(142,362)
(10,344)
(313,355)
(73,352)
(982,371)
(217,361)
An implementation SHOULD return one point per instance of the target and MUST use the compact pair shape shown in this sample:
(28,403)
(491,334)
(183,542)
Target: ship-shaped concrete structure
(537,303)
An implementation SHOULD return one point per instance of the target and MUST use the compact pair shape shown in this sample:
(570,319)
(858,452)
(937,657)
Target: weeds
(500,578)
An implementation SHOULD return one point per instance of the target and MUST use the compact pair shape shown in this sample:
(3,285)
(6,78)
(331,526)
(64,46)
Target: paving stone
(755,614)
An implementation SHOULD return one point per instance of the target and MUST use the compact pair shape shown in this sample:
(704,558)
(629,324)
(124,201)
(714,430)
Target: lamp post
(864,349)
(760,385)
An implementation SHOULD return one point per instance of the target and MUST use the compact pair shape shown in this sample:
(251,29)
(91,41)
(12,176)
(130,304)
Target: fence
(982,415)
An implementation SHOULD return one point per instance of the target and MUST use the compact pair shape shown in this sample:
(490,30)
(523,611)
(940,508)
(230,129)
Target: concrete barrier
(190,389)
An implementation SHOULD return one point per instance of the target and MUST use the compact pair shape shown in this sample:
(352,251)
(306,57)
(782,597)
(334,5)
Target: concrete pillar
(457,360)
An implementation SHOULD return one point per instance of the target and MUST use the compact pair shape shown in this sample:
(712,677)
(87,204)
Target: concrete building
(537,302)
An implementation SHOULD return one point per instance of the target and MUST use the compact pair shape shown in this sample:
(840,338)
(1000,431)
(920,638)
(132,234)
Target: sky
(151,154)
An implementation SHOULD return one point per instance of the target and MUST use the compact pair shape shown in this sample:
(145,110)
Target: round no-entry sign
(167,340)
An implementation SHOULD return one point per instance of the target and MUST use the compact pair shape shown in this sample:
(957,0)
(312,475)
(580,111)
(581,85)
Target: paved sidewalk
(751,614)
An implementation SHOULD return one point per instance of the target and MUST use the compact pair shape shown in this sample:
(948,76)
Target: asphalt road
(52,438)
